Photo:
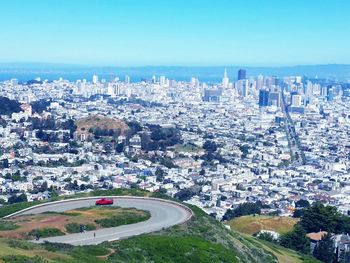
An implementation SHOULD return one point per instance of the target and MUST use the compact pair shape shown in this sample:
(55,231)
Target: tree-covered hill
(7,106)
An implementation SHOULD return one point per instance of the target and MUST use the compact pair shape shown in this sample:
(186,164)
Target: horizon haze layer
(52,71)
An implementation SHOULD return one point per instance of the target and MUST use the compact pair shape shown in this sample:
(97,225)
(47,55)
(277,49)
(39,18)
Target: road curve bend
(164,214)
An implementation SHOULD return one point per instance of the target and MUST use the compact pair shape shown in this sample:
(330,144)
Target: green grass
(124,218)
(7,225)
(202,239)
(27,252)
(161,249)
(9,209)
(22,259)
(189,148)
(283,254)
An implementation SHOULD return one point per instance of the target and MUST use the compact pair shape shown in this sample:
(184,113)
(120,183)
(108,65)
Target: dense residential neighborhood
(214,151)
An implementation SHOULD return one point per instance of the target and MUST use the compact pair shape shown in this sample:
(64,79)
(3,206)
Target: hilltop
(202,239)
(100,126)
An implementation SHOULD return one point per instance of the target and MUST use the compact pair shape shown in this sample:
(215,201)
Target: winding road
(164,214)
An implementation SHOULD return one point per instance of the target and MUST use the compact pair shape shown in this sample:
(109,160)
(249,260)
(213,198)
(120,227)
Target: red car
(104,201)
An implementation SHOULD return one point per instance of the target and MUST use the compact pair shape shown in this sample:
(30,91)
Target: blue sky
(175,32)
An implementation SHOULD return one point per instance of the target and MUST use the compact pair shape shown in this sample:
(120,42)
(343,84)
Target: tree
(296,239)
(43,187)
(7,106)
(320,217)
(210,146)
(324,250)
(302,203)
(243,209)
(266,236)
(17,199)
(120,147)
(185,194)
(160,174)
(298,213)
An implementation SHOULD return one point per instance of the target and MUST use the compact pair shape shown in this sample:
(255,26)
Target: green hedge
(124,218)
(75,227)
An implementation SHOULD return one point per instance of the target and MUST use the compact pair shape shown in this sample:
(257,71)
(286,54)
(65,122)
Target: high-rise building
(225,80)
(275,99)
(263,98)
(329,93)
(296,100)
(127,79)
(260,82)
(242,74)
(154,79)
(162,80)
(245,86)
(212,95)
(94,79)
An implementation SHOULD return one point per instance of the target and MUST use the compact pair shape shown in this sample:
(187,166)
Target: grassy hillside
(252,224)
(283,254)
(202,239)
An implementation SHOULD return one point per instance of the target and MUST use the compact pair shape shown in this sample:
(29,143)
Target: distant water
(204,74)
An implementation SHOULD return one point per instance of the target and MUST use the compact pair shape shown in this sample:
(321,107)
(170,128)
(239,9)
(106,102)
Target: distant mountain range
(27,71)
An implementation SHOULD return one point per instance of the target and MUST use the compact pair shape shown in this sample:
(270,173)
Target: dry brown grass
(98,121)
(252,224)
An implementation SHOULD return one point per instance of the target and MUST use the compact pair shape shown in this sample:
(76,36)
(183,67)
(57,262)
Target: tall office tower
(242,74)
(162,80)
(260,82)
(245,86)
(298,79)
(225,80)
(275,80)
(94,79)
(263,98)
(194,82)
(308,88)
(296,100)
(111,89)
(329,93)
(154,79)
(127,79)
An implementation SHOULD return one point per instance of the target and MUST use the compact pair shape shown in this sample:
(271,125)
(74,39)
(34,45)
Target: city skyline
(191,33)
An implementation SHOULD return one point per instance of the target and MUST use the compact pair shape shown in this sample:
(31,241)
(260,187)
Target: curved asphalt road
(164,214)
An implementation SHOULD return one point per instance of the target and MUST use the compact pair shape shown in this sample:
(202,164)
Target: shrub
(7,225)
(266,236)
(22,259)
(123,219)
(46,232)
(75,227)
(15,243)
